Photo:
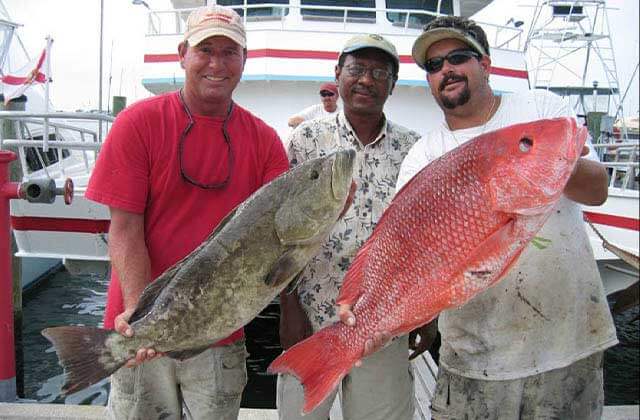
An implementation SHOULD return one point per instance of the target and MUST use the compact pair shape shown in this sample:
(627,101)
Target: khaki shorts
(380,389)
(206,386)
(574,392)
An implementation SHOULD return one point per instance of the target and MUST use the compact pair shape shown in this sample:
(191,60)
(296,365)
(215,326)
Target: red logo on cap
(218,16)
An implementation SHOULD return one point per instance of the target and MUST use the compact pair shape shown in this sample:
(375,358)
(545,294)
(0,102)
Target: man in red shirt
(171,168)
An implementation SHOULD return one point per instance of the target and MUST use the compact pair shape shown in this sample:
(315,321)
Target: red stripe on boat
(53,224)
(612,220)
(317,55)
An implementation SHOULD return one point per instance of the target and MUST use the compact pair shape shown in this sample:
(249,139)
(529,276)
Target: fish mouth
(341,173)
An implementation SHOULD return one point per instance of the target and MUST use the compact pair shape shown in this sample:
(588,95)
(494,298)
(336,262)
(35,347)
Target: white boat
(31,270)
(292,48)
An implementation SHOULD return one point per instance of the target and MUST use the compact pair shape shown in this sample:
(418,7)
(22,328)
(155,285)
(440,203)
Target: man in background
(327,107)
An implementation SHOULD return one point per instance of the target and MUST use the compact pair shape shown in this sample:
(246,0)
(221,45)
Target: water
(622,362)
(80,300)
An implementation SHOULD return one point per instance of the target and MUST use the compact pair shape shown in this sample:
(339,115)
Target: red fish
(453,231)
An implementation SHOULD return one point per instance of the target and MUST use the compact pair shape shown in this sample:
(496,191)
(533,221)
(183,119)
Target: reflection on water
(80,300)
(61,300)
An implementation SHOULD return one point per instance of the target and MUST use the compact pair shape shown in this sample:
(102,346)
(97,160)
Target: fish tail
(319,362)
(84,355)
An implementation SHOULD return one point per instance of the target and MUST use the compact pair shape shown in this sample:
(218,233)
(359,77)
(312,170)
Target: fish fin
(351,288)
(478,272)
(283,270)
(186,354)
(84,355)
(295,228)
(318,366)
(151,293)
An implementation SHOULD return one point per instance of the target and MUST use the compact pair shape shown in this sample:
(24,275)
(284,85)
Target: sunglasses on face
(455,58)
(326,94)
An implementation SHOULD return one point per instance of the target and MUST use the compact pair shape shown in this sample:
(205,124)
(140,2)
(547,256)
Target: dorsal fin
(151,293)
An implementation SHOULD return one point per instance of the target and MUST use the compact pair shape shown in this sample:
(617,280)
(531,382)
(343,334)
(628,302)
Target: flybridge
(299,41)
(380,16)
(293,45)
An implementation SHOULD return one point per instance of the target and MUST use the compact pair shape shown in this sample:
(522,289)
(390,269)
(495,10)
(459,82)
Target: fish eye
(314,175)
(525,144)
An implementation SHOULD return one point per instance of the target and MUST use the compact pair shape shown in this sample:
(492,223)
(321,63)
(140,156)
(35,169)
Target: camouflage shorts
(572,392)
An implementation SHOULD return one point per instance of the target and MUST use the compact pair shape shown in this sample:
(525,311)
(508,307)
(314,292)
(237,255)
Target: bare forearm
(129,257)
(295,121)
(294,324)
(289,300)
(588,184)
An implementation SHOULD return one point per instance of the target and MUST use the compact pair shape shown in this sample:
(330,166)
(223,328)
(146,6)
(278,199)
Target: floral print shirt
(375,172)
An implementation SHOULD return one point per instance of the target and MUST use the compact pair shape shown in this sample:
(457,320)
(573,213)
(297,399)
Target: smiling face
(365,94)
(455,85)
(213,69)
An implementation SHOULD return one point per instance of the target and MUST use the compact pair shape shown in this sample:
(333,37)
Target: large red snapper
(453,231)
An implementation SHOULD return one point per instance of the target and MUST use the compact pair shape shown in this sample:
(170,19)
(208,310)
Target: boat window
(37,158)
(258,12)
(338,14)
(417,20)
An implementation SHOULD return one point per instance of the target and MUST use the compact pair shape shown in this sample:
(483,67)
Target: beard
(459,100)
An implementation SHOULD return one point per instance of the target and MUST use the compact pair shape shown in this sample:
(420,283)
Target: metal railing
(64,136)
(172,22)
(621,161)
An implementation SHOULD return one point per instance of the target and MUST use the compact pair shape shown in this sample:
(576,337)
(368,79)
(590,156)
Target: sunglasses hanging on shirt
(227,141)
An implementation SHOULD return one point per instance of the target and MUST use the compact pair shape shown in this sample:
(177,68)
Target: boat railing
(621,161)
(39,151)
(292,16)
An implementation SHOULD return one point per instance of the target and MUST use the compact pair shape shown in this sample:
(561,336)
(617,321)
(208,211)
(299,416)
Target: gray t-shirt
(550,309)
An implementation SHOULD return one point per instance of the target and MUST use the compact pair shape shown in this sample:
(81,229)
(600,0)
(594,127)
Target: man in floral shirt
(382,388)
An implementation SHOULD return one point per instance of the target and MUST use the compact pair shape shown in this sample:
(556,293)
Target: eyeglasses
(359,71)
(455,58)
(326,94)
(227,141)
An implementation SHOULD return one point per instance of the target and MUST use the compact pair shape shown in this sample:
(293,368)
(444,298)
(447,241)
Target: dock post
(8,190)
(34,191)
(9,131)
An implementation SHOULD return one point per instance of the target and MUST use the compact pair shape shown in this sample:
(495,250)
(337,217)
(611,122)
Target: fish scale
(450,233)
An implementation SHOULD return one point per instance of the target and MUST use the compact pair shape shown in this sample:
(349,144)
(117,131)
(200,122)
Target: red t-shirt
(138,170)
